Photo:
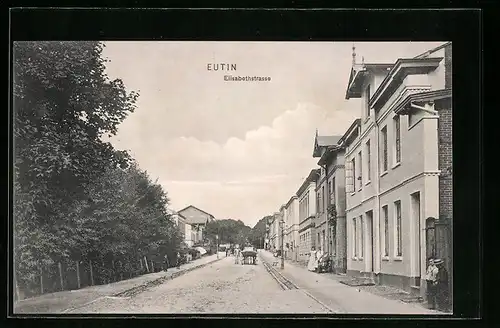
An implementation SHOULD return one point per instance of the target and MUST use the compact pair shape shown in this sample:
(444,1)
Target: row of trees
(236,232)
(76,198)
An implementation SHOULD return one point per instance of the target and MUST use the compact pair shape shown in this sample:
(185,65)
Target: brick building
(398,169)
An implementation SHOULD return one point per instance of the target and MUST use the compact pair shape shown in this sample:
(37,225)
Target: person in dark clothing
(442,286)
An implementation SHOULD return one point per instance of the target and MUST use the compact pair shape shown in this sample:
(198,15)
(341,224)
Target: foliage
(258,232)
(75,196)
(228,230)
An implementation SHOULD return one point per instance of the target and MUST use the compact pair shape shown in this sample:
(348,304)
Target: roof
(328,154)
(429,52)
(357,77)
(195,220)
(403,107)
(398,72)
(291,200)
(312,177)
(344,141)
(322,142)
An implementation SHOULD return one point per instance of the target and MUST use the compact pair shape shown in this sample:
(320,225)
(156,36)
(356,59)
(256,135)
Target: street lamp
(217,245)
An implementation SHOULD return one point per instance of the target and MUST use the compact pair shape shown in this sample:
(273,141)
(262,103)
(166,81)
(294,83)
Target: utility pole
(282,248)
(217,245)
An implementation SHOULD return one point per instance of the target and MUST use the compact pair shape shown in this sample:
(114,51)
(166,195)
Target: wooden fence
(71,275)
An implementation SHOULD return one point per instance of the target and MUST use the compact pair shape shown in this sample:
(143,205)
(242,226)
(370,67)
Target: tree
(75,196)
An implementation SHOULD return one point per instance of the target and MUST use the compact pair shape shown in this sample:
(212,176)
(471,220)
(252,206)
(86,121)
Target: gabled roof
(328,155)
(195,220)
(359,72)
(352,130)
(322,142)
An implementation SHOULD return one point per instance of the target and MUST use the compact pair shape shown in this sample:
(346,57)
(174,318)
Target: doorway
(370,239)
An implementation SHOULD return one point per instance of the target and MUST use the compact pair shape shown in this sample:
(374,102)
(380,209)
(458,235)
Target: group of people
(437,285)
(314,259)
(177,261)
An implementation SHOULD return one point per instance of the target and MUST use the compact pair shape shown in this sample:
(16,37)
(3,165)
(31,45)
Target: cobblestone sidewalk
(386,292)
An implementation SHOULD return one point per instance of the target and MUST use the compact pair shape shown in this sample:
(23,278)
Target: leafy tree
(75,196)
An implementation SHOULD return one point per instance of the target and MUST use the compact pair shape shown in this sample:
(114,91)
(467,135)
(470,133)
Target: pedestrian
(431,279)
(178,260)
(167,264)
(312,259)
(442,286)
(236,256)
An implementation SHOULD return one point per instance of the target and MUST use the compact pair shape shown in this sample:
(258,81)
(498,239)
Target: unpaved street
(222,287)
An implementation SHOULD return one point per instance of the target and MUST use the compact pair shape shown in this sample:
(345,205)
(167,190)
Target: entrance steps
(358,281)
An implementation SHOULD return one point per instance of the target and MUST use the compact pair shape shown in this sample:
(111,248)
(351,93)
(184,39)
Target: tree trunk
(91,274)
(78,274)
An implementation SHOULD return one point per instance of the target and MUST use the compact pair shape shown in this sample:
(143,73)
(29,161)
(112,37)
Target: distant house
(184,228)
(198,220)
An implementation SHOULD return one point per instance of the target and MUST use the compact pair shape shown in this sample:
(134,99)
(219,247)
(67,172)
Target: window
(384,148)
(362,236)
(399,241)
(367,101)
(353,161)
(355,238)
(368,162)
(385,216)
(360,177)
(323,199)
(397,139)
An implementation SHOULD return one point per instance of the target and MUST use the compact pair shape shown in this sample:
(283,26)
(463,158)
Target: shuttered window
(349,177)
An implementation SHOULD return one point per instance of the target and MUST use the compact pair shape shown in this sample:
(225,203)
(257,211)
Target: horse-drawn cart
(249,256)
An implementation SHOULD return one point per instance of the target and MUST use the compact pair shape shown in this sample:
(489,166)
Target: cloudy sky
(237,149)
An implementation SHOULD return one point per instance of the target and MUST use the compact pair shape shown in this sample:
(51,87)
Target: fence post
(78,274)
(114,270)
(60,275)
(41,279)
(91,274)
(152,266)
(140,261)
(121,270)
(146,263)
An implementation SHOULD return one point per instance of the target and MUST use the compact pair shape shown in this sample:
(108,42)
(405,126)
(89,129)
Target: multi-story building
(198,220)
(398,169)
(321,144)
(292,228)
(274,230)
(184,228)
(306,196)
(332,162)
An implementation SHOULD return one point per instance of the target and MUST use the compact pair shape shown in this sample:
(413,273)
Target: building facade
(306,196)
(292,229)
(184,228)
(332,162)
(324,191)
(198,220)
(398,169)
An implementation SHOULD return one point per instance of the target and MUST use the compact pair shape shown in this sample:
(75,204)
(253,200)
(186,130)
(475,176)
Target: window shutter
(349,177)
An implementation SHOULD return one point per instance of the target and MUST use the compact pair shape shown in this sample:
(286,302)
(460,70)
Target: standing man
(431,278)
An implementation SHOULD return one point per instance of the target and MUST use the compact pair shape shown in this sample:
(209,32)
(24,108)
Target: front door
(371,248)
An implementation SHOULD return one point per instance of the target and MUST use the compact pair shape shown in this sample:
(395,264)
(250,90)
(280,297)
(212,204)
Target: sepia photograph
(224,177)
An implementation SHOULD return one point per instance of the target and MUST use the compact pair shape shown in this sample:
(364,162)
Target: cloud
(230,179)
